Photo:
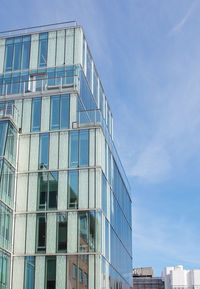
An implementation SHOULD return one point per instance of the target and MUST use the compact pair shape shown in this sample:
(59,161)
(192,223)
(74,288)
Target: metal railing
(38,28)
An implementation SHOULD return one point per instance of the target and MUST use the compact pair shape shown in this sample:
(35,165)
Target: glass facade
(72,222)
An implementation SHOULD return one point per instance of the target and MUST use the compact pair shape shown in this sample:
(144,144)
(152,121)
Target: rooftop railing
(9,110)
(39,28)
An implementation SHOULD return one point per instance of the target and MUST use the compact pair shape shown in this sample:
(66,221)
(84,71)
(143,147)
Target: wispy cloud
(182,22)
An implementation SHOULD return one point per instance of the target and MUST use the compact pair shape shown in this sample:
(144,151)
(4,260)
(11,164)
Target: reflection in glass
(62,232)
(51,272)
(29,272)
(41,232)
(83,232)
(55,112)
(43,50)
(84,148)
(73,149)
(64,109)
(44,151)
(73,189)
(36,114)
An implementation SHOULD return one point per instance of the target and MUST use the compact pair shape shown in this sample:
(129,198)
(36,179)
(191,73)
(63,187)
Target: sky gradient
(147,53)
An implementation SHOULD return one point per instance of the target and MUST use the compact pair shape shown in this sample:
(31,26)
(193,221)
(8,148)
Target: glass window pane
(26,52)
(8,55)
(17,53)
(42,190)
(29,272)
(51,273)
(64,122)
(44,151)
(53,190)
(43,49)
(84,148)
(92,220)
(55,112)
(36,114)
(73,189)
(83,232)
(3,131)
(41,230)
(62,232)
(73,149)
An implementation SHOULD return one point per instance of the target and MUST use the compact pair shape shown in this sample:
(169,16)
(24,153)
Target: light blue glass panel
(17,53)
(9,55)
(7,84)
(95,86)
(44,151)
(24,82)
(104,194)
(10,151)
(84,148)
(64,109)
(26,52)
(15,83)
(73,149)
(60,72)
(3,132)
(89,68)
(55,112)
(51,76)
(69,74)
(73,189)
(42,62)
(29,272)
(36,114)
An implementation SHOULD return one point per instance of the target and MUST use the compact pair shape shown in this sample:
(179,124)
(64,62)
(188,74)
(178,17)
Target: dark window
(59,111)
(47,190)
(41,225)
(51,273)
(73,189)
(53,190)
(62,232)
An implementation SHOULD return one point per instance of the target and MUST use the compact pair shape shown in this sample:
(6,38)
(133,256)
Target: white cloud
(182,22)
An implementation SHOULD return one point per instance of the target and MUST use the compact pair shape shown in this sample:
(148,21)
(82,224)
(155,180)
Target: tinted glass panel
(51,273)
(53,189)
(26,52)
(41,233)
(29,272)
(55,112)
(42,190)
(43,50)
(3,131)
(8,57)
(84,148)
(17,53)
(62,232)
(73,189)
(73,150)
(44,151)
(36,114)
(83,232)
(64,107)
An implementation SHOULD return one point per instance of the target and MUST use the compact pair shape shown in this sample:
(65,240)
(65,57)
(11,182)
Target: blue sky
(147,53)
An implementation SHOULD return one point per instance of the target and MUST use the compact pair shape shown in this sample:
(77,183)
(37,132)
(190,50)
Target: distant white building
(178,278)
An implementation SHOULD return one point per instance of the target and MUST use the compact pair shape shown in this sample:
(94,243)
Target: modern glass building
(65,202)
